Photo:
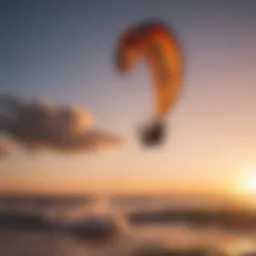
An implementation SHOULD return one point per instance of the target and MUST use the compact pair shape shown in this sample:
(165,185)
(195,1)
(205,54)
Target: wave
(226,218)
(159,250)
(39,202)
(78,213)
(100,224)
(24,222)
(199,250)
(93,222)
(98,220)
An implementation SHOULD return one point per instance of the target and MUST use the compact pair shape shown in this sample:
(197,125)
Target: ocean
(125,225)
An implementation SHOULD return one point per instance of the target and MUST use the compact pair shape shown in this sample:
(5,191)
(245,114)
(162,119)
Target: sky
(62,51)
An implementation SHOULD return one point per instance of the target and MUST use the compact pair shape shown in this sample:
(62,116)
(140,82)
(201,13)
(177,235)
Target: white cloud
(40,125)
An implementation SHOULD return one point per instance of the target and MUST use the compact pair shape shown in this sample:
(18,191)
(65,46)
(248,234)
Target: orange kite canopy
(158,45)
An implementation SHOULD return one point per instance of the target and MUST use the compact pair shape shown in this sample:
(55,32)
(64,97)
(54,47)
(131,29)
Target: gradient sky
(63,51)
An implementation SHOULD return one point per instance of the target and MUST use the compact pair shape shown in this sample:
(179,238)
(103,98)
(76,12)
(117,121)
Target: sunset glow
(63,54)
(248,182)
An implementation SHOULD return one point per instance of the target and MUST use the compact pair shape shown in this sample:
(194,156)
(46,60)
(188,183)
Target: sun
(248,182)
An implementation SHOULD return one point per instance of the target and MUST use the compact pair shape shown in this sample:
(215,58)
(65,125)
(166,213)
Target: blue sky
(63,51)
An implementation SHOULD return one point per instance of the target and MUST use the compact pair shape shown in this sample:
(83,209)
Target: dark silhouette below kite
(154,134)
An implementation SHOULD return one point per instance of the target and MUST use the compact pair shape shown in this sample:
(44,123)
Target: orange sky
(211,142)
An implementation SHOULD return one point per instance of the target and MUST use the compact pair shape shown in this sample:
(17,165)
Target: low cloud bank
(40,125)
